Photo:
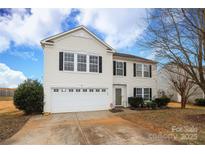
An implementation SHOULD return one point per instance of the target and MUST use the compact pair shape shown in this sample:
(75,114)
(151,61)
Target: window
(146,93)
(97,90)
(146,71)
(93,63)
(55,90)
(143,93)
(103,90)
(70,90)
(81,59)
(119,68)
(84,90)
(77,90)
(139,92)
(139,70)
(68,61)
(91,90)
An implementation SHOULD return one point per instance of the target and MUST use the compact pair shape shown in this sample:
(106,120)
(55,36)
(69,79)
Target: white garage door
(79,99)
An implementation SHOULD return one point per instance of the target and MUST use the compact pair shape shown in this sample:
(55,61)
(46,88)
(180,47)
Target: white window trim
(86,58)
(142,70)
(146,71)
(122,68)
(148,93)
(94,64)
(142,91)
(88,54)
(64,62)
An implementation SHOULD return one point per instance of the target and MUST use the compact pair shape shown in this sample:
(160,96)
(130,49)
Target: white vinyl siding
(81,62)
(93,63)
(68,62)
(119,68)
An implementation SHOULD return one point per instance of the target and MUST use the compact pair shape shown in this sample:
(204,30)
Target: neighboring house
(165,88)
(83,73)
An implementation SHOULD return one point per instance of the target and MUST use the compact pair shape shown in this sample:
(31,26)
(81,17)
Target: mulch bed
(115,110)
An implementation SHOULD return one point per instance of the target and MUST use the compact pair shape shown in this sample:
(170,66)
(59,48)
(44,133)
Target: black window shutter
(150,91)
(134,69)
(60,61)
(150,70)
(100,64)
(134,92)
(125,71)
(114,67)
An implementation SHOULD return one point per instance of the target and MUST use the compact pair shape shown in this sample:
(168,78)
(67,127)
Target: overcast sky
(21,30)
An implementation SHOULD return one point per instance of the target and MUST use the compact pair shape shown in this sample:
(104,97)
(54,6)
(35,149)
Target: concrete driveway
(100,127)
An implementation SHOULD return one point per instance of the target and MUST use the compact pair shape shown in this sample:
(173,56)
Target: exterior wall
(163,85)
(132,82)
(80,42)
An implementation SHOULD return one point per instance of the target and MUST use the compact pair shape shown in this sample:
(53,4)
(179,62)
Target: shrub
(151,104)
(136,102)
(200,102)
(28,97)
(162,101)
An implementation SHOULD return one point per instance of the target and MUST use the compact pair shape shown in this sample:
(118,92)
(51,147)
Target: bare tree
(178,36)
(181,83)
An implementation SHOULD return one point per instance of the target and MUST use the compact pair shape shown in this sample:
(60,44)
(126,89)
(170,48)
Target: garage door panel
(78,100)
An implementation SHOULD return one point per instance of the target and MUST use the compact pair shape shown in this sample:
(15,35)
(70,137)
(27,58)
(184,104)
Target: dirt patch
(11,120)
(6,98)
(104,121)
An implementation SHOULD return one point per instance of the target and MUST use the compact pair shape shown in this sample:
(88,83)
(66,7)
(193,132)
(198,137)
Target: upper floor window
(81,62)
(139,70)
(146,71)
(93,60)
(142,70)
(78,62)
(119,68)
(69,61)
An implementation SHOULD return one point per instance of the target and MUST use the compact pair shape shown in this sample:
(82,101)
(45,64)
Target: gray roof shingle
(129,56)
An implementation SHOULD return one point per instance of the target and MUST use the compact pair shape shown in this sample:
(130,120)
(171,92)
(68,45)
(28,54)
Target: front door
(118,96)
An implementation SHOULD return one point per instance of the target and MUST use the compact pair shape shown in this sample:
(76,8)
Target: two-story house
(83,73)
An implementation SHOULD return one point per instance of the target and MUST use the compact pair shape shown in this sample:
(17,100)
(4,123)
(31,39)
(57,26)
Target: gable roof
(49,40)
(132,57)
